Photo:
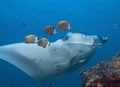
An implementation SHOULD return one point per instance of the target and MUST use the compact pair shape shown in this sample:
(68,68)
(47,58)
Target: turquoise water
(100,17)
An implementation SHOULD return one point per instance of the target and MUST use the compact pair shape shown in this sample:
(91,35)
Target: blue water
(86,16)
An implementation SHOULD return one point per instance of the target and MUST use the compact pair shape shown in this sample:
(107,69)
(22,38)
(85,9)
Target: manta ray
(61,57)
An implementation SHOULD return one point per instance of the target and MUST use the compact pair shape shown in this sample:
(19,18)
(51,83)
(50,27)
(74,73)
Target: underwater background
(92,17)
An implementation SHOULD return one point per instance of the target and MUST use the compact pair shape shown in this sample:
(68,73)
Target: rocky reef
(103,74)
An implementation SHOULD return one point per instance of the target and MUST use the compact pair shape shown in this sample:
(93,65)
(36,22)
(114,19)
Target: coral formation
(105,73)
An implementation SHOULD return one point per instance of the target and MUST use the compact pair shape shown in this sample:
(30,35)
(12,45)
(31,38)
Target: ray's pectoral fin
(25,64)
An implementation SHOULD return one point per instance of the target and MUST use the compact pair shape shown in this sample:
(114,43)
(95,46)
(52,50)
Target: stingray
(61,57)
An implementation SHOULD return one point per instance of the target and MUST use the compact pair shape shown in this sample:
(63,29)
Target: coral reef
(103,74)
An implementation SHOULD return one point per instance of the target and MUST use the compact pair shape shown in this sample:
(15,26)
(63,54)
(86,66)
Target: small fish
(50,84)
(50,30)
(115,26)
(30,38)
(43,42)
(64,25)
(23,24)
